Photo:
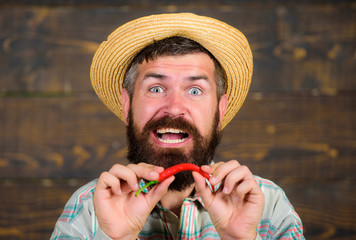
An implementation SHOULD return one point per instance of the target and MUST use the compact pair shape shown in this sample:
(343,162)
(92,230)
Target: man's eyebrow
(164,77)
(154,75)
(198,77)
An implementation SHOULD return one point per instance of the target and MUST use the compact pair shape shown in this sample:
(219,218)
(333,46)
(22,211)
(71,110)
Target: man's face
(174,113)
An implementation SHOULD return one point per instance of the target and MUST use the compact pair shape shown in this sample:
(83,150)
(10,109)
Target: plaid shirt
(279,220)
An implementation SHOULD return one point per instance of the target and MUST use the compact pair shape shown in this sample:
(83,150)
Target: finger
(201,187)
(158,169)
(207,168)
(126,174)
(107,180)
(222,169)
(248,187)
(146,171)
(236,177)
(210,168)
(158,191)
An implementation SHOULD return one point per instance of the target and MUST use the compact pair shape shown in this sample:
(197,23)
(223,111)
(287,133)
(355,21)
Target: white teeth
(170,130)
(172,140)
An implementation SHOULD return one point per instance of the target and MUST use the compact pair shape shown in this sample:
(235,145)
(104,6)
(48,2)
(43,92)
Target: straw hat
(226,43)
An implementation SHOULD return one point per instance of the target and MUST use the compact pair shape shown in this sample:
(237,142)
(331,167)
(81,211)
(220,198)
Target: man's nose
(175,105)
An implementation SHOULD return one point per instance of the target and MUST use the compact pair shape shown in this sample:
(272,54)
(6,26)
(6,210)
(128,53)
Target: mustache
(168,122)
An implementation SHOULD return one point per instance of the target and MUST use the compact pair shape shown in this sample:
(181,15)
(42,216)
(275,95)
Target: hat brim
(227,44)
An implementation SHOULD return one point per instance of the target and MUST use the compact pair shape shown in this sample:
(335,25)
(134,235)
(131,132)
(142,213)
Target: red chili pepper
(173,170)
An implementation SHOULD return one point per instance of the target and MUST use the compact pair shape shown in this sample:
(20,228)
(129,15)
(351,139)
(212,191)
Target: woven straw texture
(226,43)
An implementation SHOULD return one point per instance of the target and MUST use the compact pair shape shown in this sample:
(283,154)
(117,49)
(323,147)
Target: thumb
(157,192)
(202,188)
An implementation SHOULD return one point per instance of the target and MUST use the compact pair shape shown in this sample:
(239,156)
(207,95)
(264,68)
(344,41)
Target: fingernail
(159,168)
(154,174)
(225,190)
(137,187)
(213,180)
(119,192)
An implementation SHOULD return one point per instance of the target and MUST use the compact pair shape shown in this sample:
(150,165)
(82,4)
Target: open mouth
(171,135)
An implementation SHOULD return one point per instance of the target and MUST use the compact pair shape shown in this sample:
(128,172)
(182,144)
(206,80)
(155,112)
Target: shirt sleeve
(258,237)
(279,219)
(78,219)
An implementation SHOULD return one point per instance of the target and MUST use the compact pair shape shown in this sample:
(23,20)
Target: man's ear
(125,102)
(222,107)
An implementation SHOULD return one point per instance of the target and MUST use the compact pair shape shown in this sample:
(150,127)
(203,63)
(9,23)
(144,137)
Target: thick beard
(141,150)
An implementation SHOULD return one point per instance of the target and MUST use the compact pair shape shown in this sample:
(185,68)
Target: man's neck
(173,200)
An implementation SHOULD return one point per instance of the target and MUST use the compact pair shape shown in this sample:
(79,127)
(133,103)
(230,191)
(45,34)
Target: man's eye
(156,89)
(194,91)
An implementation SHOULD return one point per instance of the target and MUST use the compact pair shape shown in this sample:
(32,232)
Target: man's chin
(167,157)
(172,150)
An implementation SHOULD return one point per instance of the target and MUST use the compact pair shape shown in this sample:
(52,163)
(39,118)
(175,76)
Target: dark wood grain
(51,137)
(273,134)
(29,209)
(284,135)
(327,208)
(295,47)
(296,128)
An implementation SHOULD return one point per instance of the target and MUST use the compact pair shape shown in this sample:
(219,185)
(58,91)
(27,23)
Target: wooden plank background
(296,128)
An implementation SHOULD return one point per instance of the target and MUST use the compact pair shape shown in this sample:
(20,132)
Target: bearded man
(176,80)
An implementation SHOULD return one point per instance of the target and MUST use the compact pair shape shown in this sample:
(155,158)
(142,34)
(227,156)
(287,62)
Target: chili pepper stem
(147,185)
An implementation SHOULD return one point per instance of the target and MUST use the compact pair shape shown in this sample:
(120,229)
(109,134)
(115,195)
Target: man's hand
(120,214)
(236,208)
